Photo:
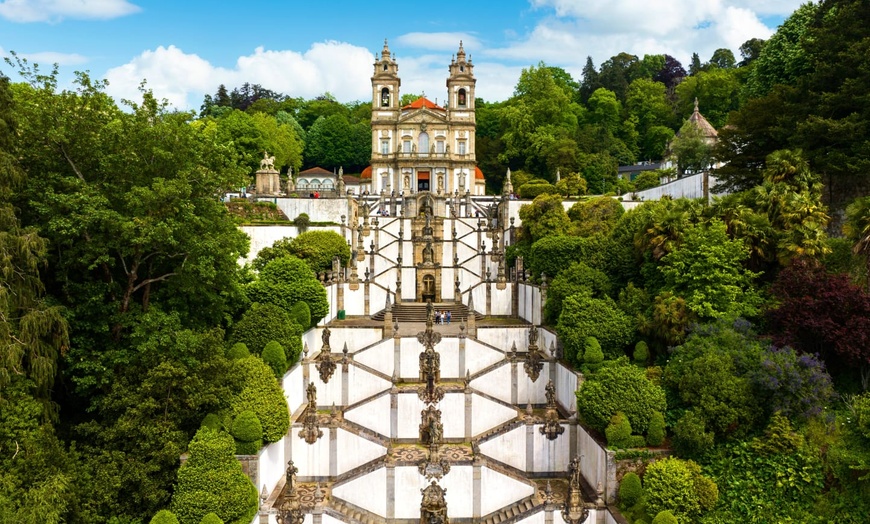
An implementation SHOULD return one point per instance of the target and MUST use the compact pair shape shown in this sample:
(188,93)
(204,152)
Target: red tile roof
(478,174)
(314,171)
(423,102)
(366,173)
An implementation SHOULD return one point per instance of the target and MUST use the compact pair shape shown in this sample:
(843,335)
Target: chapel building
(423,146)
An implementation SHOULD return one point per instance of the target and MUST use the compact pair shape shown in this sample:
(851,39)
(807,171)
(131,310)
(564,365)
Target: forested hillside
(736,333)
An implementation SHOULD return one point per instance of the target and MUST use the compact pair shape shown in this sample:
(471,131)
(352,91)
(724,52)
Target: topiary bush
(284,282)
(665,517)
(630,489)
(641,352)
(164,516)
(619,387)
(301,314)
(618,432)
(302,222)
(678,486)
(263,323)
(212,481)
(690,436)
(258,391)
(583,316)
(655,435)
(273,355)
(592,354)
(238,350)
(536,187)
(318,248)
(211,518)
(248,433)
(211,421)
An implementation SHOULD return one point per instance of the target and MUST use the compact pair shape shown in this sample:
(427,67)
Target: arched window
(462,98)
(423,143)
(385,96)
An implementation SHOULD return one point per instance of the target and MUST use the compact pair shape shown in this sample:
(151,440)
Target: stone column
(468,414)
(333,451)
(397,354)
(339,294)
(477,492)
(366,284)
(488,297)
(462,368)
(530,445)
(394,413)
(391,488)
(572,436)
(345,383)
(515,384)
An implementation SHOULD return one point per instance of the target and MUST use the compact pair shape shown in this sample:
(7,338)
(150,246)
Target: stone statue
(428,253)
(533,336)
(407,182)
(430,311)
(433,509)
(268,162)
(325,336)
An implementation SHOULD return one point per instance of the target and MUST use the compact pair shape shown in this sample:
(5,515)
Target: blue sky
(186,48)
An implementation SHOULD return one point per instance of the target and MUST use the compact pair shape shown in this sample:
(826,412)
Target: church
(423,146)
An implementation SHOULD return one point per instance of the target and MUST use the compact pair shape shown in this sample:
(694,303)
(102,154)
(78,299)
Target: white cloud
(439,41)
(603,28)
(56,10)
(53,57)
(339,68)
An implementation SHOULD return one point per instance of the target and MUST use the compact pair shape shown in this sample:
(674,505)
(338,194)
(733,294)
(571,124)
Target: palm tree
(857,229)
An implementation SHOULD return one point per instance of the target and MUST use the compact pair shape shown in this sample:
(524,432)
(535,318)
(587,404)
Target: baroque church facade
(423,146)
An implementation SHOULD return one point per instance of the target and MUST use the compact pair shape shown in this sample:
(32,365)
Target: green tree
(589,82)
(784,58)
(333,142)
(647,101)
(630,489)
(595,216)
(723,58)
(690,150)
(857,230)
(717,90)
(164,516)
(248,432)
(250,135)
(707,269)
(583,316)
(576,278)
(545,216)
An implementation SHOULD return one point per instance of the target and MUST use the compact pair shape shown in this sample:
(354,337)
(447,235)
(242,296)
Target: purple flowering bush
(794,384)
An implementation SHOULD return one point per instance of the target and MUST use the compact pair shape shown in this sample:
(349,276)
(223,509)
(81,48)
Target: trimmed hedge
(273,355)
(247,427)
(583,316)
(262,394)
(536,187)
(618,432)
(641,352)
(212,481)
(164,516)
(211,421)
(655,435)
(263,323)
(630,489)
(620,387)
(211,518)
(238,350)
(665,517)
(678,486)
(301,314)
(284,282)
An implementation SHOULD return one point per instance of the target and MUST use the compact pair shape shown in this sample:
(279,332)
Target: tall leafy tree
(589,82)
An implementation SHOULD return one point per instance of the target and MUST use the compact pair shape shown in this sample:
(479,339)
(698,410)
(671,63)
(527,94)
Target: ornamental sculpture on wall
(552,428)
(534,359)
(575,510)
(433,509)
(310,432)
